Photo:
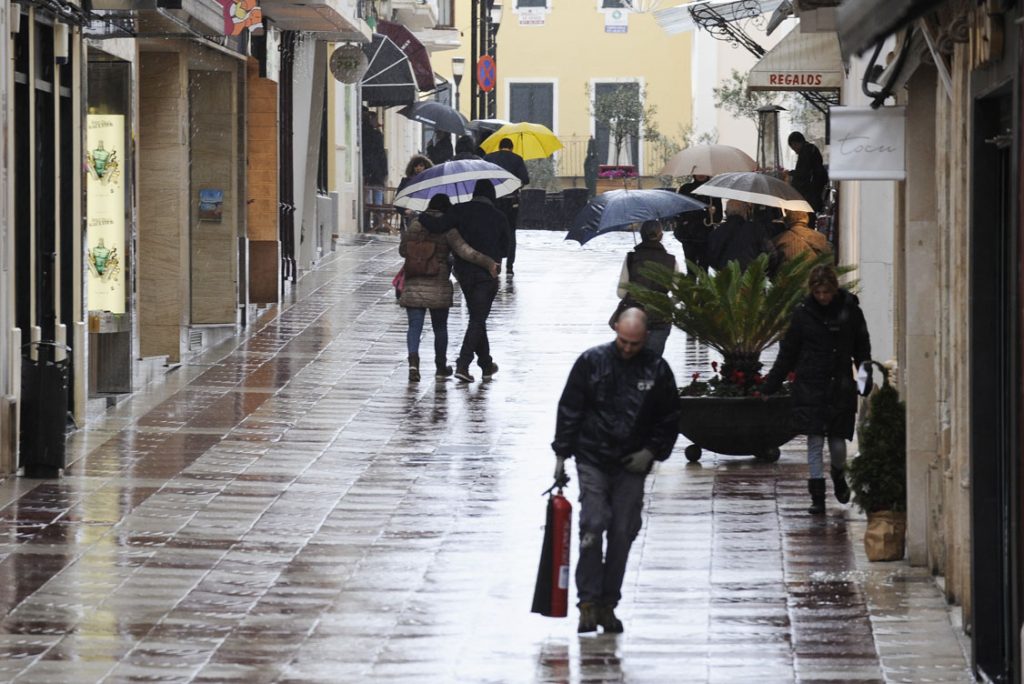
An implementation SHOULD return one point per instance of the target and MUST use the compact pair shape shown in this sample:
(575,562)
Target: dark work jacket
(809,177)
(823,346)
(511,162)
(736,239)
(485,229)
(611,407)
(644,253)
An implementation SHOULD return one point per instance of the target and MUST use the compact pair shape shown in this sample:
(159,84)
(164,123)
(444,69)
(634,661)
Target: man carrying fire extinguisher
(619,412)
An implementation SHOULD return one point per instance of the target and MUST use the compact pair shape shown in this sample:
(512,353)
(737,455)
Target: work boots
(414,367)
(839,486)
(816,487)
(606,618)
(588,618)
(443,369)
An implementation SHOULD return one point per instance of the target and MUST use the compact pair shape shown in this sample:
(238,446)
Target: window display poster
(104,209)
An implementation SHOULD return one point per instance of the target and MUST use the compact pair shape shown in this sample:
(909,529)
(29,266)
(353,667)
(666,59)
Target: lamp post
(768,155)
(494,22)
(458,69)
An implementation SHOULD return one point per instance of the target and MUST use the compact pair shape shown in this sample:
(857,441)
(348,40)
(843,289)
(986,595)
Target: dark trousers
(479,296)
(510,207)
(610,506)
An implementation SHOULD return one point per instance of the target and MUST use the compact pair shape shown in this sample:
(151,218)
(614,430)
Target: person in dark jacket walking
(809,177)
(737,238)
(619,412)
(650,250)
(693,228)
(439,149)
(375,159)
(827,339)
(465,148)
(485,229)
(509,204)
(431,289)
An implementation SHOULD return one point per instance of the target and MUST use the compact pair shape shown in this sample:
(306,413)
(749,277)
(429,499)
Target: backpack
(420,258)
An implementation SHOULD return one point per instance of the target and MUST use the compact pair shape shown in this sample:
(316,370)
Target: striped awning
(800,62)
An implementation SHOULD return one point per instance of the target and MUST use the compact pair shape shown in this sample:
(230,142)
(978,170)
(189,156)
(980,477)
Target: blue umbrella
(456,179)
(620,209)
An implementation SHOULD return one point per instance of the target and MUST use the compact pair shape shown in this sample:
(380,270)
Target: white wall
(713,62)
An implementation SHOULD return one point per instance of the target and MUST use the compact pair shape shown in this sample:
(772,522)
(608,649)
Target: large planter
(885,536)
(736,426)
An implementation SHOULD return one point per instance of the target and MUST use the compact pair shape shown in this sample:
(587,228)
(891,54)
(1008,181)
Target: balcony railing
(570,158)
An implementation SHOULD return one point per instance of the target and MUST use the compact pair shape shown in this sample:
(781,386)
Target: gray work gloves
(638,461)
(561,479)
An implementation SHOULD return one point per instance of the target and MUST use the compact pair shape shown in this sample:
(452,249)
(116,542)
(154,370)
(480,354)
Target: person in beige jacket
(428,282)
(799,237)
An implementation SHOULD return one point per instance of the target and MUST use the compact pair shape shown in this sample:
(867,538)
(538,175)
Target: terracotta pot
(736,426)
(885,537)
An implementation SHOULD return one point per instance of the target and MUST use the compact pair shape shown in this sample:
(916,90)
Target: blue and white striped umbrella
(456,179)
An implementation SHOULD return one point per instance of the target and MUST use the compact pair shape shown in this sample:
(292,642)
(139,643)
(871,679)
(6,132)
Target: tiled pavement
(290,509)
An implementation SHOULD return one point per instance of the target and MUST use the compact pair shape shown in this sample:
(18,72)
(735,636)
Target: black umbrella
(436,115)
(620,209)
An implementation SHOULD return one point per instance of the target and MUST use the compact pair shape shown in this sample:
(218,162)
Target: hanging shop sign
(867,144)
(105,212)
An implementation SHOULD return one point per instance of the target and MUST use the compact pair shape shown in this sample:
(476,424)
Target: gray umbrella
(436,115)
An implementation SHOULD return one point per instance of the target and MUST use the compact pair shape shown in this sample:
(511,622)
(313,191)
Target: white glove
(560,476)
(638,461)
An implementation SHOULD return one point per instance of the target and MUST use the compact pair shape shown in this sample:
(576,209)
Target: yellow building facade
(552,55)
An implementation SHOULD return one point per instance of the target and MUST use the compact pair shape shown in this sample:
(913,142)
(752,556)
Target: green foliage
(542,173)
(623,112)
(878,475)
(738,313)
(732,96)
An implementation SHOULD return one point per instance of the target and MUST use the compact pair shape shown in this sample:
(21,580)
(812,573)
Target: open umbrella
(619,209)
(707,160)
(436,115)
(529,140)
(487,125)
(756,188)
(456,179)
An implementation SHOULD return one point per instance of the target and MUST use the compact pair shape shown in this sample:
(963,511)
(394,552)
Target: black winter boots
(839,486)
(816,487)
(414,367)
(443,369)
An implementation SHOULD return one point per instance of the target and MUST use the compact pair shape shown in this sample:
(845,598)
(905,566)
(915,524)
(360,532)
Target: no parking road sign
(486,73)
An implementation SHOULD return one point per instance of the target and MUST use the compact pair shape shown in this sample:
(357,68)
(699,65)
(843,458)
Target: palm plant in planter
(878,475)
(739,313)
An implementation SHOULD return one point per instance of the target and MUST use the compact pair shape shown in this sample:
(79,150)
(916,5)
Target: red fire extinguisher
(551,593)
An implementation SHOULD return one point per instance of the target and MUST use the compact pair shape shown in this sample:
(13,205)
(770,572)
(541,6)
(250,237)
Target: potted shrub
(739,314)
(878,474)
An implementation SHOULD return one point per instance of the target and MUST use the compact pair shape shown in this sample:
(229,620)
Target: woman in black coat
(826,340)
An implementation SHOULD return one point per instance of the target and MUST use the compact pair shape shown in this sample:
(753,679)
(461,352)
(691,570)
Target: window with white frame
(629,151)
(533,102)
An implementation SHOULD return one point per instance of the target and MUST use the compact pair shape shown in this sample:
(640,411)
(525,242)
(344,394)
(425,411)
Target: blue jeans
(656,340)
(816,454)
(439,323)
(610,505)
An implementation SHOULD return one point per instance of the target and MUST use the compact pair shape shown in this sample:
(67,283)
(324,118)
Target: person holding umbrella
(439,149)
(417,164)
(650,250)
(693,229)
(737,238)
(485,229)
(509,204)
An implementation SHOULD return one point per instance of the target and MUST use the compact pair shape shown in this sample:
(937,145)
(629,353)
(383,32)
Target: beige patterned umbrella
(707,160)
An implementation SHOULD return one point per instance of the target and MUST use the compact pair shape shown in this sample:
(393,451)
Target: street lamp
(494,22)
(458,69)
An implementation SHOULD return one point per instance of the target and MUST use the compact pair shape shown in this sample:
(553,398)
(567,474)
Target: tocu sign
(867,144)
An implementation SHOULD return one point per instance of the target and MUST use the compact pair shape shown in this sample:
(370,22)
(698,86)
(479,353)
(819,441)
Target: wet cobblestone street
(291,509)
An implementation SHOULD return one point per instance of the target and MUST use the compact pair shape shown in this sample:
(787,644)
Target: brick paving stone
(288,508)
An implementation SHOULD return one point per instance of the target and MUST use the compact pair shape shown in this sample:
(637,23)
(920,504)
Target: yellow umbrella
(529,140)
